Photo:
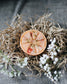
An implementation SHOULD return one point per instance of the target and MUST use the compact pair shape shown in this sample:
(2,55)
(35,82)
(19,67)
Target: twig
(12,68)
(62,63)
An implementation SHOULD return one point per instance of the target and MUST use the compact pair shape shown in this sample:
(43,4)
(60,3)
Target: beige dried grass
(10,39)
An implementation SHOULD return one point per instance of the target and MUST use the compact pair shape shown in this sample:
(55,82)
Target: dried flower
(55,72)
(56,59)
(11,74)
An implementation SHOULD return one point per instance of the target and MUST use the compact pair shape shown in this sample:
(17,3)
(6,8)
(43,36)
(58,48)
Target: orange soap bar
(33,42)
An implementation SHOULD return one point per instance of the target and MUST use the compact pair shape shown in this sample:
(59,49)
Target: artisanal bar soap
(33,42)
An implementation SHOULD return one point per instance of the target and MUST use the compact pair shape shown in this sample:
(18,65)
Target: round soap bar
(33,42)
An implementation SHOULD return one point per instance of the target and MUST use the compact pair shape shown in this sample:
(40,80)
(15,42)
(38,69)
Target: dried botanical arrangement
(49,62)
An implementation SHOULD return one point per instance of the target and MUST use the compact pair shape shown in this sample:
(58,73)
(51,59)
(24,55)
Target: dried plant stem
(12,68)
(63,63)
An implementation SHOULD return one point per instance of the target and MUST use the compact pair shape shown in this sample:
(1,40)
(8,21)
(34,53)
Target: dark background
(30,8)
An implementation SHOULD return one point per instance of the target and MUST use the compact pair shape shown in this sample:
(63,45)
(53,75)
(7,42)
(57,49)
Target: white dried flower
(50,40)
(54,40)
(54,62)
(41,65)
(52,53)
(46,65)
(58,50)
(19,73)
(50,47)
(11,74)
(55,78)
(45,73)
(23,63)
(52,57)
(45,68)
(15,74)
(59,72)
(56,59)
(49,73)
(52,79)
(42,60)
(48,69)
(55,72)
(25,59)
(45,56)
(18,64)
(55,53)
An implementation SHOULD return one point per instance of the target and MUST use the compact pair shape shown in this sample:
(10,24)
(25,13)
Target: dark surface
(33,7)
